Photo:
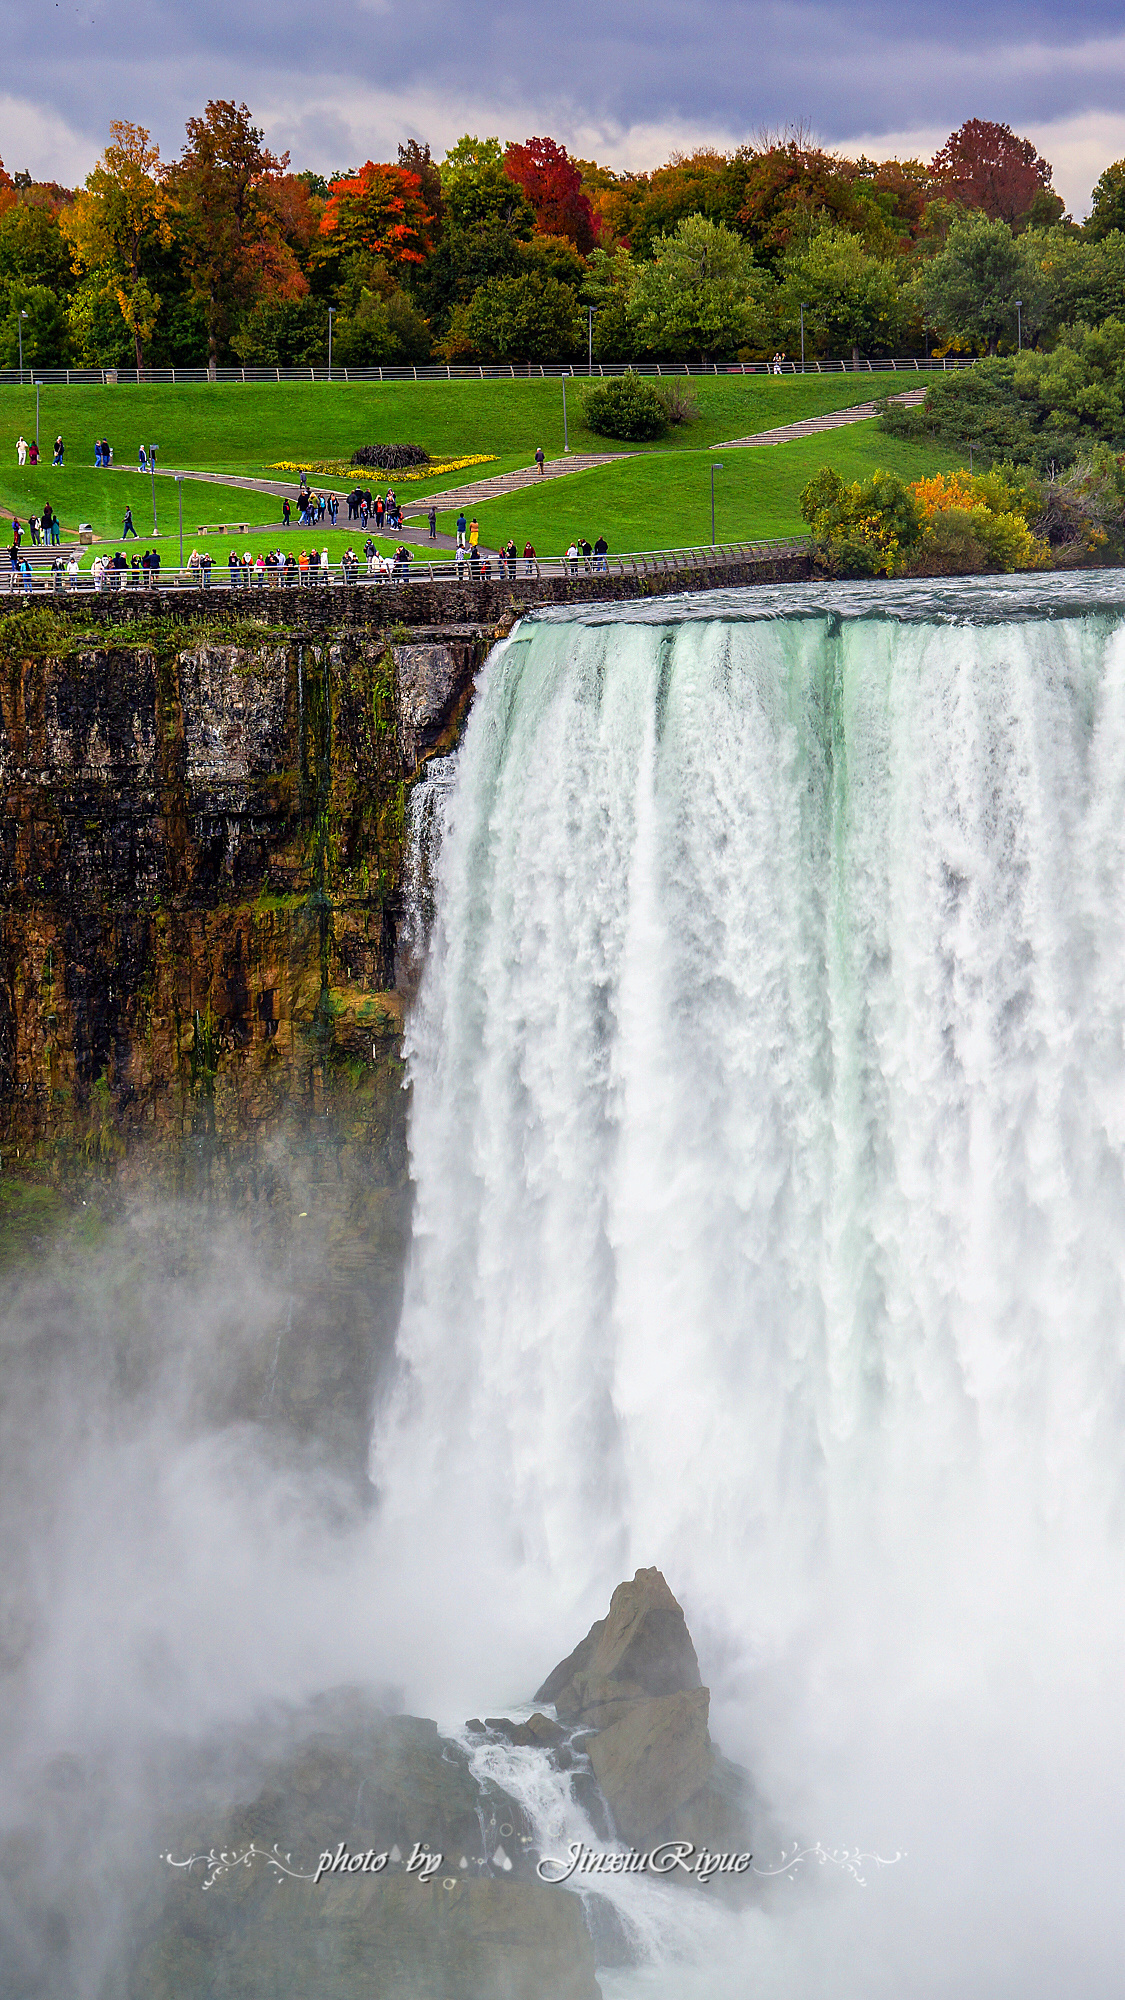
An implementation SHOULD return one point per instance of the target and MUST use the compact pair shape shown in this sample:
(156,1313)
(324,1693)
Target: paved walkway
(809,426)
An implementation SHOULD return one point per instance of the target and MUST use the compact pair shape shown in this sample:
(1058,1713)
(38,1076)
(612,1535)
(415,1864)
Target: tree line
(521,252)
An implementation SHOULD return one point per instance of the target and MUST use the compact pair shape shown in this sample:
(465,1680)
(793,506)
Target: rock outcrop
(634,1684)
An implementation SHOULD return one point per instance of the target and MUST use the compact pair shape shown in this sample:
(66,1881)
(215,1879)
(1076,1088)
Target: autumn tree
(553,185)
(8,195)
(118,221)
(379,212)
(226,188)
(988,167)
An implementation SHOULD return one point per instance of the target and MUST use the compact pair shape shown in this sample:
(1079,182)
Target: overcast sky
(626,82)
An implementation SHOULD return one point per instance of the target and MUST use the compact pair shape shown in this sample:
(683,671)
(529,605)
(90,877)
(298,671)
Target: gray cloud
(337,85)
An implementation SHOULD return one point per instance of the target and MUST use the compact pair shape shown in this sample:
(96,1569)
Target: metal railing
(515,371)
(382,573)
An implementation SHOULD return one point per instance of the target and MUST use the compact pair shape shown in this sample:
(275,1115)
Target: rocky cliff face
(201,839)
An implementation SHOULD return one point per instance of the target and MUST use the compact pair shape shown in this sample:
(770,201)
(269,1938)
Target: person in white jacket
(21,450)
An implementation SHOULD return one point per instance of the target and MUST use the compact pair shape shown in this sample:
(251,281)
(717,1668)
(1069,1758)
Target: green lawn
(247,427)
(79,493)
(664,501)
(259,541)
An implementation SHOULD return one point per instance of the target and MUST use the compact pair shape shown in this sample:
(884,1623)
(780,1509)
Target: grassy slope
(235,427)
(665,502)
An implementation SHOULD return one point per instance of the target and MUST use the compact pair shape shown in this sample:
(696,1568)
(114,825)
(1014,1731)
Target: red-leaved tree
(380,211)
(988,166)
(553,186)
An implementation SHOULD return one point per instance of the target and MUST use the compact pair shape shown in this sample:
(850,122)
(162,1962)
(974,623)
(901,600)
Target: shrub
(626,407)
(680,406)
(866,528)
(390,457)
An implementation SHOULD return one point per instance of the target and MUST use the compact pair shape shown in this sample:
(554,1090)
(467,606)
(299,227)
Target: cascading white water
(768,1133)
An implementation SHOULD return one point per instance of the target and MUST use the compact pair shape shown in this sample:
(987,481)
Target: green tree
(46,342)
(699,294)
(1085,279)
(969,290)
(1107,208)
(851,298)
(382,330)
(33,247)
(529,318)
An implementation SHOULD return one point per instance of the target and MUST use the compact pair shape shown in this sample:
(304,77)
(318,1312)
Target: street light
(802,338)
(19,324)
(714,469)
(1019,325)
(331,310)
(590,311)
(38,386)
(180,492)
(152,476)
(566,433)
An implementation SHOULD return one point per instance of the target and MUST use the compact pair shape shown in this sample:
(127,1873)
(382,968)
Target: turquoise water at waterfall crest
(768,1131)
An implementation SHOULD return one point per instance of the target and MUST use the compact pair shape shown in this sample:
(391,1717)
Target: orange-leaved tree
(379,212)
(230,201)
(116,223)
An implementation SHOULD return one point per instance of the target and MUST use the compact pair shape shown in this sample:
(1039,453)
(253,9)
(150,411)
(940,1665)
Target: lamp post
(802,338)
(590,310)
(180,494)
(19,324)
(152,476)
(38,386)
(566,433)
(331,310)
(714,469)
(1019,326)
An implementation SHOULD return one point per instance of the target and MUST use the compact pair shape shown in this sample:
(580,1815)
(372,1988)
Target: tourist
(33,526)
(528,559)
(370,551)
(154,566)
(72,571)
(127,527)
(59,449)
(21,450)
(380,510)
(587,552)
(97,451)
(205,569)
(474,535)
(601,550)
(431,517)
(303,567)
(512,554)
(48,523)
(142,462)
(193,565)
(134,578)
(539,461)
(33,453)
(233,567)
(285,510)
(460,561)
(572,558)
(461,531)
(333,507)
(325,567)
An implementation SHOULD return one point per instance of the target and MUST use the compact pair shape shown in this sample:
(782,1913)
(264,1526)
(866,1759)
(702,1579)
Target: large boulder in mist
(642,1649)
(632,1687)
(653,1759)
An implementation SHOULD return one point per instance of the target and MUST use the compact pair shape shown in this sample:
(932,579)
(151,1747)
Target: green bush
(627,406)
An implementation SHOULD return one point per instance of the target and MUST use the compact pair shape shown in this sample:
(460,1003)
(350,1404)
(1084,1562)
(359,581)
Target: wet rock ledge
(445,1898)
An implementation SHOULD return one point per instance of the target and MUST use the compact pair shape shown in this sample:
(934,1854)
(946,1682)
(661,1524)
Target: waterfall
(768,1132)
